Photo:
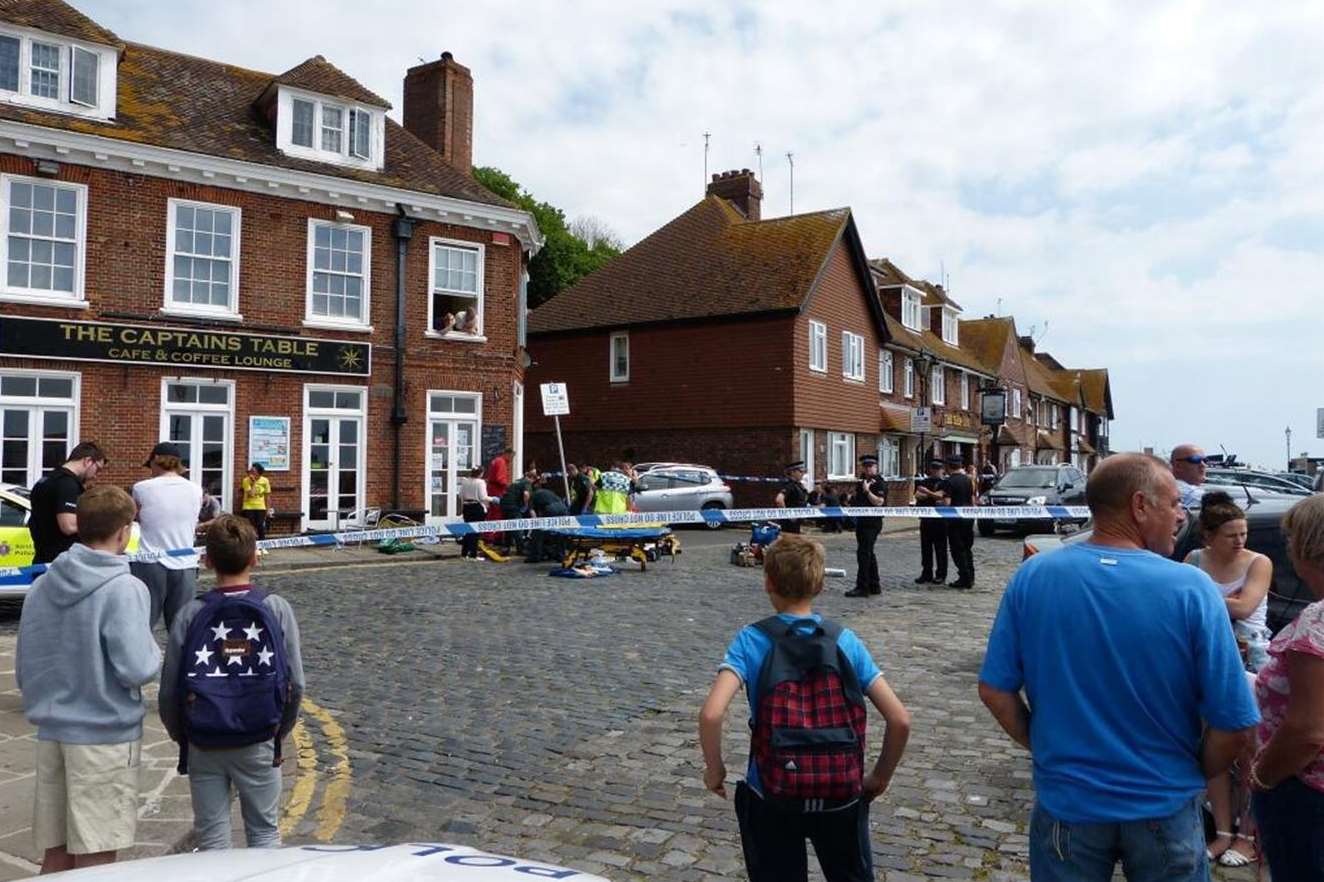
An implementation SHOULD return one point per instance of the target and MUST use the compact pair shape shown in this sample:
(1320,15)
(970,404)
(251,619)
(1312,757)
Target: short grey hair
(1115,480)
(1304,526)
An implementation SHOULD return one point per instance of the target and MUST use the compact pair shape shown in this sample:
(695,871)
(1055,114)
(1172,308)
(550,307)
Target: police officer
(870,491)
(960,492)
(932,531)
(791,493)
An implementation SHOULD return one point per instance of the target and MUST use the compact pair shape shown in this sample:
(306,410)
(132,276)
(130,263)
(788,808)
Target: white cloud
(1127,172)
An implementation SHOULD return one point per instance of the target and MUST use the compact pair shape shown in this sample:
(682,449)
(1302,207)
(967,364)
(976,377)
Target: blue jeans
(1291,822)
(1170,849)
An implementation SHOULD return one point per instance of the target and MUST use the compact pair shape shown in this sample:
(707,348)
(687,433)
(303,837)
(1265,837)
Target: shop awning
(959,438)
(1083,446)
(896,419)
(1049,441)
(1013,434)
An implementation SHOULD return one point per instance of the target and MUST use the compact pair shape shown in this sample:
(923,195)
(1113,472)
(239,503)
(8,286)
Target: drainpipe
(403,230)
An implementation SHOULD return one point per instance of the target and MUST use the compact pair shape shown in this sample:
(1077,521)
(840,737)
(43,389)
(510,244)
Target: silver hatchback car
(681,488)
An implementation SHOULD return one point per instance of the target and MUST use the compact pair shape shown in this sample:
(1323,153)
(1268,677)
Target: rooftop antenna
(706,136)
(758,151)
(999,306)
(1044,334)
(790,158)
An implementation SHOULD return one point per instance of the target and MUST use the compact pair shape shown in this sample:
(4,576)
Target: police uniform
(932,536)
(960,491)
(866,533)
(793,495)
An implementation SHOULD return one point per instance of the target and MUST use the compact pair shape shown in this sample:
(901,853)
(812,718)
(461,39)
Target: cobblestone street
(555,719)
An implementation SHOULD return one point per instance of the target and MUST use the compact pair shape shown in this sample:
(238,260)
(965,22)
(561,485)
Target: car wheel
(986,529)
(713,506)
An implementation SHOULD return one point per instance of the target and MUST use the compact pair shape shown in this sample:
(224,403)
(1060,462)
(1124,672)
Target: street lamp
(924,363)
(1288,433)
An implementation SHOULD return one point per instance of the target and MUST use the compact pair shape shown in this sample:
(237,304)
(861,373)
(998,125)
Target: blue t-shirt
(1121,654)
(750,648)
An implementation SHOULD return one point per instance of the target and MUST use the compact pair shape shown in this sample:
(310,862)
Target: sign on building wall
(921,420)
(269,442)
(181,347)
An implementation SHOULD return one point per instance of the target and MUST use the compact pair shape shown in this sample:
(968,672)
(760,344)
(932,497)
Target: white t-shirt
(168,516)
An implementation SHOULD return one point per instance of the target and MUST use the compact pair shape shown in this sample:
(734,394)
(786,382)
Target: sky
(1138,184)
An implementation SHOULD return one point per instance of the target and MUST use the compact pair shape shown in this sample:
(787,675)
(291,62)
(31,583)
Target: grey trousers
(170,589)
(249,769)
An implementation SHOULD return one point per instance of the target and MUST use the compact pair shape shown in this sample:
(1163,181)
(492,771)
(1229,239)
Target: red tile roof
(320,76)
(891,274)
(56,17)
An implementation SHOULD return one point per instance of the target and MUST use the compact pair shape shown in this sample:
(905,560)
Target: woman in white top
(473,506)
(1244,577)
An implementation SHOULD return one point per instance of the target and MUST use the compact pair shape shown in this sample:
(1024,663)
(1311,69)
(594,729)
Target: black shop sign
(180,347)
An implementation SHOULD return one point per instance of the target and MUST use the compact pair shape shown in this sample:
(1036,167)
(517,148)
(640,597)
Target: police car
(16,541)
(414,862)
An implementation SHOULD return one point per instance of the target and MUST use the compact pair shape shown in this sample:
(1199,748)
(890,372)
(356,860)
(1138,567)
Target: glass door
(197,416)
(35,442)
(453,449)
(333,457)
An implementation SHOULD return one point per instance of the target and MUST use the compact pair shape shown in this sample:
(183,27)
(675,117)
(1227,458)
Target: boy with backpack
(230,691)
(806,679)
(85,649)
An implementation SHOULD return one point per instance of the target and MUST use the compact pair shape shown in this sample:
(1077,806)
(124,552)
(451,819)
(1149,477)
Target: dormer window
(311,127)
(949,326)
(52,73)
(911,314)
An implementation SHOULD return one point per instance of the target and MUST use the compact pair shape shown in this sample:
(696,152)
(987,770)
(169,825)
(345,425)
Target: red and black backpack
(809,726)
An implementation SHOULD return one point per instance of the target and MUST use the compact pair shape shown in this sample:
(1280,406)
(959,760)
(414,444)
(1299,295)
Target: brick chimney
(439,109)
(741,189)
(1028,343)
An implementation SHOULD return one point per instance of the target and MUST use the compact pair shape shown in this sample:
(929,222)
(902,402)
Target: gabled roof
(889,274)
(710,262)
(986,340)
(1096,390)
(57,17)
(321,76)
(181,102)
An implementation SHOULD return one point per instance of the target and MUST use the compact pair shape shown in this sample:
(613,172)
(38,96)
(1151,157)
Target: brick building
(258,267)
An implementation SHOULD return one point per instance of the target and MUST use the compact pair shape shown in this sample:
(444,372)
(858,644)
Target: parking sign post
(556,401)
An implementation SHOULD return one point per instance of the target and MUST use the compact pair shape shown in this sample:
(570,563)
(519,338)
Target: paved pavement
(491,705)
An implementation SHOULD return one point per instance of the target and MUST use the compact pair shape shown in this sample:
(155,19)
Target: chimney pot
(439,109)
(741,189)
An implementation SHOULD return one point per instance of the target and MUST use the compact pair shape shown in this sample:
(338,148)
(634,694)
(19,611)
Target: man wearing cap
(959,490)
(168,505)
(1188,467)
(932,531)
(870,491)
(791,493)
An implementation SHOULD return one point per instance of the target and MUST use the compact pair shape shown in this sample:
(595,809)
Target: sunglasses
(1193,460)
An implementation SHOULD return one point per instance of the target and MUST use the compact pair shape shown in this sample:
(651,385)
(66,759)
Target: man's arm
(711,716)
(167,696)
(895,736)
(1221,748)
(294,658)
(1010,710)
(780,500)
(126,635)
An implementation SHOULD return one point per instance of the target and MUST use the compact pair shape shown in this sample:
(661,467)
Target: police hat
(954,461)
(935,463)
(798,464)
(868,459)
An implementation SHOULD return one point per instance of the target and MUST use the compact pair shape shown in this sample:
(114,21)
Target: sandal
(1234,858)
(1221,834)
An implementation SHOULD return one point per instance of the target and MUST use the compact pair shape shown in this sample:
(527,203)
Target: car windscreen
(1028,479)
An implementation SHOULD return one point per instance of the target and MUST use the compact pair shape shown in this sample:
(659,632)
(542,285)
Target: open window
(455,301)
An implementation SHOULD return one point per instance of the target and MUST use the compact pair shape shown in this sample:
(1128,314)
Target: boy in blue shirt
(773,830)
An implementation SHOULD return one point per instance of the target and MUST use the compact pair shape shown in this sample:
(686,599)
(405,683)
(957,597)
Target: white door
(38,424)
(333,455)
(454,430)
(517,429)
(198,416)
(807,453)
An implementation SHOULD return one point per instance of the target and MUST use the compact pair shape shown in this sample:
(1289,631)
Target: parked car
(1288,595)
(682,488)
(1060,484)
(16,541)
(1301,479)
(1256,479)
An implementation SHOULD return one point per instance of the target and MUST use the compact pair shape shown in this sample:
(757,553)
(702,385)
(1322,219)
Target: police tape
(714,517)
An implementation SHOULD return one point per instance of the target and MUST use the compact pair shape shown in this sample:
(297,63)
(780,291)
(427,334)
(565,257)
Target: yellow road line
(301,797)
(335,793)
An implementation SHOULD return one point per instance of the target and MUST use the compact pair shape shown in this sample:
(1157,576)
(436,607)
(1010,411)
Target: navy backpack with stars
(233,677)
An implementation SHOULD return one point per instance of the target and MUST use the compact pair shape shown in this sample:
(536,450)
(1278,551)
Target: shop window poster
(269,442)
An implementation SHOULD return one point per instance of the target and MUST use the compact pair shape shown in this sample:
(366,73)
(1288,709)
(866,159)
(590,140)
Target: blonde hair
(168,462)
(1304,526)
(794,565)
(103,511)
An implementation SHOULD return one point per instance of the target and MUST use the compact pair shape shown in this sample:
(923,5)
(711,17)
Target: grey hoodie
(85,649)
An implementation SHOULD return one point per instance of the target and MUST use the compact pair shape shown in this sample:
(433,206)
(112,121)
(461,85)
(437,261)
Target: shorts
(87,796)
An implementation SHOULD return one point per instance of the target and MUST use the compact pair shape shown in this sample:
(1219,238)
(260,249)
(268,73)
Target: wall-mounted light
(343,215)
(48,168)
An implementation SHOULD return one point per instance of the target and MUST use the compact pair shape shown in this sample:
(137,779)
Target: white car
(413,862)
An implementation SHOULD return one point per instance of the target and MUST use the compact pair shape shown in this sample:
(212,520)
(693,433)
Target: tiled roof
(895,419)
(320,76)
(961,356)
(890,274)
(56,17)
(1049,440)
(1096,390)
(167,99)
(1015,434)
(986,340)
(708,262)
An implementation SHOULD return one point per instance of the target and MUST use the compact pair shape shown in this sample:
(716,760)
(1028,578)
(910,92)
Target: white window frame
(852,356)
(912,316)
(285,97)
(818,346)
(1075,420)
(59,71)
(950,327)
(38,402)
(889,457)
(323,110)
(886,365)
(965,391)
(1016,403)
(449,416)
(614,375)
(1056,413)
(78,298)
(361,466)
(74,52)
(480,282)
(231,311)
(847,441)
(107,58)
(310,320)
(192,407)
(937,385)
(1014,458)
(807,451)
(908,378)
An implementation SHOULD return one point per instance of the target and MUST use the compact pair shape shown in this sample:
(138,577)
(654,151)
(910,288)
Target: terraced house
(259,267)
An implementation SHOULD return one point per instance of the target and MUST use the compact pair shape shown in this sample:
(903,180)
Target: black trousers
(961,541)
(774,841)
(933,549)
(541,544)
(789,526)
(471,511)
(866,560)
(258,518)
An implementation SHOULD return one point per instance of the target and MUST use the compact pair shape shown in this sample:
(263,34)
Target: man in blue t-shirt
(1125,657)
